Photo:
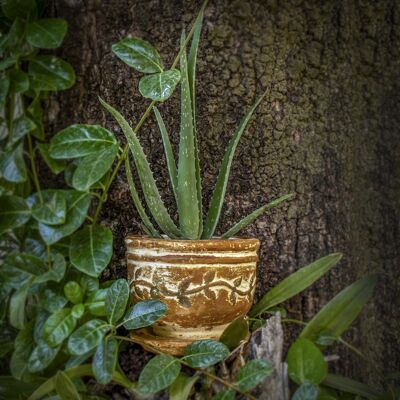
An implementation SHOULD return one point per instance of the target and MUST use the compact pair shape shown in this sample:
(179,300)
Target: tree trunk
(327,131)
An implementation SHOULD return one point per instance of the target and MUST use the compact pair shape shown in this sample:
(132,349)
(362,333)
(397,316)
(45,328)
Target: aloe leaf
(191,76)
(254,215)
(188,205)
(173,173)
(336,316)
(138,204)
(222,180)
(295,283)
(149,187)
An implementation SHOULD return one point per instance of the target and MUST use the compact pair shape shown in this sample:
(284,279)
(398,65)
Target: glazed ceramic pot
(206,284)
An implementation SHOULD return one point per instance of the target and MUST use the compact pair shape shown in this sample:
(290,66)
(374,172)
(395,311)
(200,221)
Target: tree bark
(327,131)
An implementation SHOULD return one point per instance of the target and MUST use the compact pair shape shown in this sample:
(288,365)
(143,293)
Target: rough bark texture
(327,131)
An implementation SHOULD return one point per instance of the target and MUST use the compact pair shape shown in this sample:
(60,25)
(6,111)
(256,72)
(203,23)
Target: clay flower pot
(206,284)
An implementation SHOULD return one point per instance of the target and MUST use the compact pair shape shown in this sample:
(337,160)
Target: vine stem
(201,371)
(146,114)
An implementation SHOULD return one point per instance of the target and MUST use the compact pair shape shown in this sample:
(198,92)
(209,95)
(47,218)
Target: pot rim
(234,243)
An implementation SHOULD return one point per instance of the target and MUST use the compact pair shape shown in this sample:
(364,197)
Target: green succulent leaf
(77,207)
(138,204)
(188,205)
(81,140)
(17,305)
(306,362)
(306,391)
(65,388)
(14,212)
(58,327)
(105,360)
(295,283)
(150,191)
(144,313)
(87,337)
(226,394)
(204,353)
(116,300)
(91,249)
(222,180)
(181,387)
(93,167)
(17,8)
(12,165)
(138,54)
(252,374)
(254,215)
(42,356)
(23,345)
(336,316)
(46,33)
(159,87)
(56,273)
(236,332)
(159,373)
(73,292)
(21,127)
(96,303)
(50,73)
(56,166)
(19,81)
(51,301)
(173,172)
(53,209)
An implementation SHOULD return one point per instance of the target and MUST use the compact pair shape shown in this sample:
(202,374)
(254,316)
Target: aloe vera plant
(184,173)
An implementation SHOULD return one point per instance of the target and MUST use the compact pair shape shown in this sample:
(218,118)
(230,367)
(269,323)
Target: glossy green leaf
(306,391)
(149,187)
(93,167)
(46,33)
(17,8)
(192,77)
(65,388)
(19,81)
(105,360)
(87,337)
(136,201)
(173,172)
(222,180)
(295,283)
(53,209)
(139,54)
(96,303)
(17,305)
(42,356)
(159,87)
(4,87)
(77,206)
(91,249)
(188,205)
(81,140)
(23,345)
(204,353)
(56,272)
(252,374)
(14,212)
(73,292)
(10,387)
(51,301)
(306,362)
(254,215)
(50,73)
(78,310)
(56,166)
(144,313)
(21,127)
(116,300)
(35,113)
(348,385)
(181,387)
(158,373)
(336,316)
(12,165)
(74,361)
(225,394)
(236,332)
(58,327)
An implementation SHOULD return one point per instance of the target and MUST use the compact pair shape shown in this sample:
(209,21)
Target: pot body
(206,284)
